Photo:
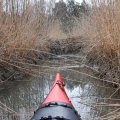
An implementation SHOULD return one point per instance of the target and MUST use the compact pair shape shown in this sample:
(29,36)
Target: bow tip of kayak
(58,77)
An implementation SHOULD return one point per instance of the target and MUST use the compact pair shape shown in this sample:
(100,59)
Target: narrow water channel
(23,97)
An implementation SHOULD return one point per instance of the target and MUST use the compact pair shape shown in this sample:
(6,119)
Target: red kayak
(56,106)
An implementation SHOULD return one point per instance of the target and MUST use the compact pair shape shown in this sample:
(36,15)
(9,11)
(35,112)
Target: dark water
(23,97)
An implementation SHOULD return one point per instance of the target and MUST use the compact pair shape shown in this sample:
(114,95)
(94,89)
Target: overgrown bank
(24,60)
(105,40)
(31,33)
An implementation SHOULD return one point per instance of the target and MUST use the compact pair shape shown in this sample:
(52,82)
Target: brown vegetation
(27,30)
(22,32)
(105,39)
(104,47)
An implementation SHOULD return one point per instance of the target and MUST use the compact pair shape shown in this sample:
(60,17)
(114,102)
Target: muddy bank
(10,73)
(106,64)
(71,45)
(23,62)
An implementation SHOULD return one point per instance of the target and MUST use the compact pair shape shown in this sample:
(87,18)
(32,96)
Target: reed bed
(104,49)
(23,30)
(105,40)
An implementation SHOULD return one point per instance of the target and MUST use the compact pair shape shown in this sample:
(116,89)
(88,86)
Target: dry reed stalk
(104,42)
(22,26)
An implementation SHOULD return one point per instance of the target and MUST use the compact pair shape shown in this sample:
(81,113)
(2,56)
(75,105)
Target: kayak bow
(56,106)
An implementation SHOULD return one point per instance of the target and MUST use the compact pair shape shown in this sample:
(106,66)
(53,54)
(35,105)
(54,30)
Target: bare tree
(0,7)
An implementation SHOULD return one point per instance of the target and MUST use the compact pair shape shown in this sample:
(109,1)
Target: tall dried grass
(23,28)
(105,38)
(104,45)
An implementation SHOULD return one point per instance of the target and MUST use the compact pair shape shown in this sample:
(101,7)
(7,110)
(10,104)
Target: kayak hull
(57,92)
(56,106)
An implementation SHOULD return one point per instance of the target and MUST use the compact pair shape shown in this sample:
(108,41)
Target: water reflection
(25,97)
